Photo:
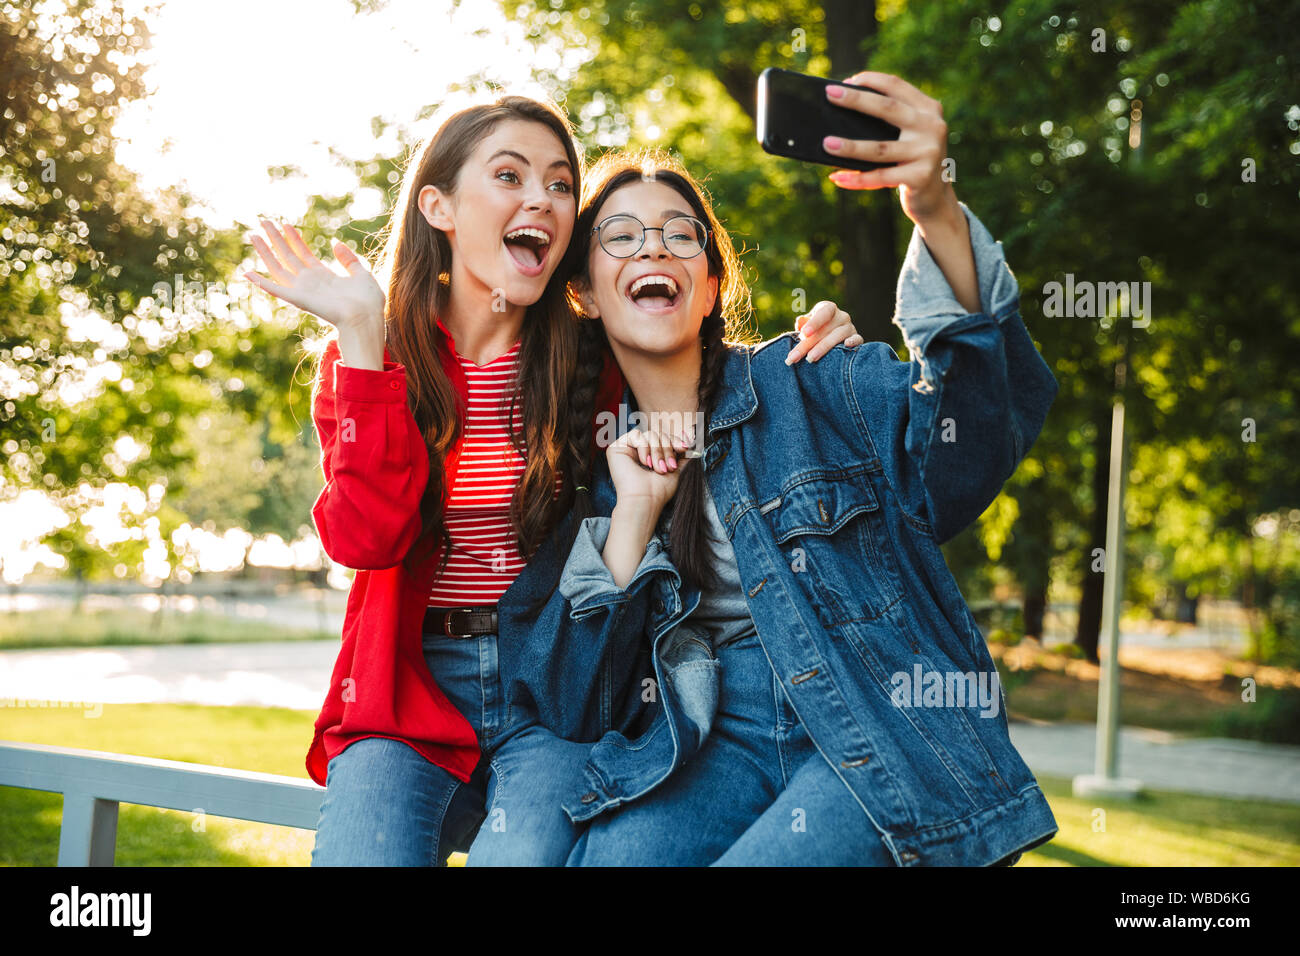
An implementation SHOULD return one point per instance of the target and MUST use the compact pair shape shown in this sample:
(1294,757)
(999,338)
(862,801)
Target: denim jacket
(837,481)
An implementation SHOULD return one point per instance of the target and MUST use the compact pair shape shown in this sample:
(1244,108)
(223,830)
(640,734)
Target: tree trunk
(1248,604)
(1035,610)
(867,221)
(868,233)
(1031,555)
(1185,613)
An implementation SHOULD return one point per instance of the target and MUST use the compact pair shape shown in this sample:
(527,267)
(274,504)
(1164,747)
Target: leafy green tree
(1086,135)
(1079,136)
(117,316)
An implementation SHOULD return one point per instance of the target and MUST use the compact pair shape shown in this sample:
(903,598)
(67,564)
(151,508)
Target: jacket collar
(737,399)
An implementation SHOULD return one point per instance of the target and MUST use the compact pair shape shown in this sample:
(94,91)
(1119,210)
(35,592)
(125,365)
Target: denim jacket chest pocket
(830,528)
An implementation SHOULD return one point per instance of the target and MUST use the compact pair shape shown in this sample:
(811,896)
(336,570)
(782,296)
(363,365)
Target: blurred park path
(267,673)
(1215,766)
(296,674)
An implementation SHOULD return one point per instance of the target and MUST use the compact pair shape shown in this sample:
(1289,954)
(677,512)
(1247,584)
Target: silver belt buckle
(446,627)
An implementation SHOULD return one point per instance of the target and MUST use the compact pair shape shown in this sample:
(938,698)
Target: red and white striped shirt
(485,559)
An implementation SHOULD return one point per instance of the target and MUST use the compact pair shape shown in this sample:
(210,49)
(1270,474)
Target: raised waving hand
(351,301)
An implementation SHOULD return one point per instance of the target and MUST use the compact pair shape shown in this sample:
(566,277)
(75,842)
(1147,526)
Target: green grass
(63,628)
(1162,828)
(272,740)
(1159,829)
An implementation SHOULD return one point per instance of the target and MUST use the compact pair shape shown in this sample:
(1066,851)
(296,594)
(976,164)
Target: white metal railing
(93,783)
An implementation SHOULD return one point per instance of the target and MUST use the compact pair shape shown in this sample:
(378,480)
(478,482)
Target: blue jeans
(525,824)
(758,793)
(385,805)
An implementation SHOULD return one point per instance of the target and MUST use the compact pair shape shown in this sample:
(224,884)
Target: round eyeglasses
(623,236)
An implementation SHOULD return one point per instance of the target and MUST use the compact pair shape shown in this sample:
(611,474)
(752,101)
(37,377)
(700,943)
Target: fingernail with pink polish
(832,143)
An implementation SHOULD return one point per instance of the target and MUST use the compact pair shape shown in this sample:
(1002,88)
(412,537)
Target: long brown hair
(416,267)
(726,323)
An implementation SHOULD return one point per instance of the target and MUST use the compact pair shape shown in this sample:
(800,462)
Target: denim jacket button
(589,796)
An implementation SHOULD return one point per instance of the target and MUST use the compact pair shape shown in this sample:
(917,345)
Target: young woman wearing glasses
(803,634)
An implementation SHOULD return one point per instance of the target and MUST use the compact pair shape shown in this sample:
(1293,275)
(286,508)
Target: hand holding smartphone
(794,116)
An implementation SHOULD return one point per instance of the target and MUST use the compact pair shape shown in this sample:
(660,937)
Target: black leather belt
(461,621)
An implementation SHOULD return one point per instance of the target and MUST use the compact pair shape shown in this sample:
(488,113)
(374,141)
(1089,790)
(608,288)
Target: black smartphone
(794,115)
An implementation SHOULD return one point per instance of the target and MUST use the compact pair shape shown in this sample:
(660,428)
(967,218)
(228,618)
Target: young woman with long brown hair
(819,692)
(447,453)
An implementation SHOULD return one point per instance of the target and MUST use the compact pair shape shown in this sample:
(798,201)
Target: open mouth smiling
(528,247)
(654,293)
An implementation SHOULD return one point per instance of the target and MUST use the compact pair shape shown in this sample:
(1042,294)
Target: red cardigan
(376,469)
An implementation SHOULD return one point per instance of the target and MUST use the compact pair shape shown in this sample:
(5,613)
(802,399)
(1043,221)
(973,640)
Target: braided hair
(593,347)
(725,323)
